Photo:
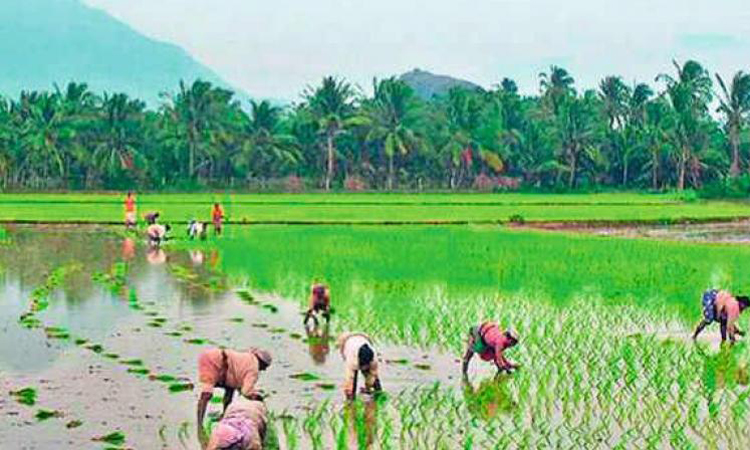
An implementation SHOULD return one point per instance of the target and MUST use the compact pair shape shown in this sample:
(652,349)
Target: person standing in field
(130,213)
(217,217)
(489,342)
(229,370)
(721,306)
(243,426)
(359,356)
(320,302)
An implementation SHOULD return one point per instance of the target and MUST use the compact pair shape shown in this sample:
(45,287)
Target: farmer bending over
(196,230)
(723,307)
(320,301)
(157,234)
(489,342)
(230,370)
(243,426)
(359,356)
(151,217)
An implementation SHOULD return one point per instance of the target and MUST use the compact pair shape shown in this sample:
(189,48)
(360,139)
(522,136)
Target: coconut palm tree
(332,104)
(556,86)
(734,103)
(120,134)
(269,149)
(392,114)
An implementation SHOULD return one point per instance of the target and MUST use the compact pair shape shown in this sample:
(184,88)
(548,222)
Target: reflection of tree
(490,398)
(318,339)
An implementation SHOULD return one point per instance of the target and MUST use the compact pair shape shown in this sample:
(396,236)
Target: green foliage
(620,136)
(25,396)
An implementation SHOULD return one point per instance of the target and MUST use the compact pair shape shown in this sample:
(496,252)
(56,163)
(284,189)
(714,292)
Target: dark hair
(743,300)
(167,227)
(319,290)
(366,355)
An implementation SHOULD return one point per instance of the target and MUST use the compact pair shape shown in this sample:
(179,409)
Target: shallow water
(728,232)
(171,287)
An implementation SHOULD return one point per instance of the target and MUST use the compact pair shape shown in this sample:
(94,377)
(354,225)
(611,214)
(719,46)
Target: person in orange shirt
(130,216)
(217,217)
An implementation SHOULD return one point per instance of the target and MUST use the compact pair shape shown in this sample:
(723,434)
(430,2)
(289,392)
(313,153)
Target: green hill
(44,42)
(428,85)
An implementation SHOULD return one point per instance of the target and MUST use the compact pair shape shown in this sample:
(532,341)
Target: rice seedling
(180,387)
(46,414)
(73,424)
(114,438)
(25,396)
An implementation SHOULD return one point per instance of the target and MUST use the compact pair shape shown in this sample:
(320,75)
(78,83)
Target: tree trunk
(655,171)
(683,163)
(734,169)
(390,173)
(329,169)
(573,168)
(625,172)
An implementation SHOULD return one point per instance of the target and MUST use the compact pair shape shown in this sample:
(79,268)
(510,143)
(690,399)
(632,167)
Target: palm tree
(735,105)
(556,86)
(331,104)
(689,95)
(393,113)
(269,148)
(120,134)
(576,130)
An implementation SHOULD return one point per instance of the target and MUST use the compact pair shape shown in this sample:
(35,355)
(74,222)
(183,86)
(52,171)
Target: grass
(376,208)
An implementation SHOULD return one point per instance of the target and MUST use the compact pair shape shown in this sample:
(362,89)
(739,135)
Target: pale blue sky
(275,48)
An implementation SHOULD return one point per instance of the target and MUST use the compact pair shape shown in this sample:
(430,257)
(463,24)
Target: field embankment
(396,209)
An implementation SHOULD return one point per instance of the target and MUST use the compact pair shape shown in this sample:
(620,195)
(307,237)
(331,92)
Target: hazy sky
(275,48)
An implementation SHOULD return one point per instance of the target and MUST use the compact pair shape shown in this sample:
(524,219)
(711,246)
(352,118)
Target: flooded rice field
(737,232)
(99,337)
(107,357)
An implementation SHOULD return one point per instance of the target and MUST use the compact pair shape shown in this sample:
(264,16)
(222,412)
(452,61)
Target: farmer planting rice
(217,217)
(157,234)
(721,306)
(130,215)
(151,217)
(359,356)
(229,370)
(489,342)
(243,426)
(320,302)
(197,230)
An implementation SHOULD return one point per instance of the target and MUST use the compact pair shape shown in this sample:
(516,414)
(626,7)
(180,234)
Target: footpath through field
(376,209)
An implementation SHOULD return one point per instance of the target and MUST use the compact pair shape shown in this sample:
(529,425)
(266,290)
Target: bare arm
(228,394)
(202,404)
(467,357)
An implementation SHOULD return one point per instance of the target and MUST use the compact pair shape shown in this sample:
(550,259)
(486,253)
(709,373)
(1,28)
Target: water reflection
(196,256)
(489,398)
(362,419)
(128,249)
(318,340)
(156,256)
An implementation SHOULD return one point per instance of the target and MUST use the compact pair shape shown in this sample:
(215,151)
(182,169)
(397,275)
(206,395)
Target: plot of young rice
(595,316)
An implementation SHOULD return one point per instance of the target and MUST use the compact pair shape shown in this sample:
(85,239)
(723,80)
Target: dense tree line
(685,130)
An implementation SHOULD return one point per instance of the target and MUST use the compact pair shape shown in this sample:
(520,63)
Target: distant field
(370,208)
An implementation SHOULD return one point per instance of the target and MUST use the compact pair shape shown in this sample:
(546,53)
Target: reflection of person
(317,339)
(369,423)
(359,356)
(489,341)
(196,256)
(243,426)
(320,302)
(489,398)
(721,306)
(128,248)
(230,370)
(156,256)
(217,217)
(130,214)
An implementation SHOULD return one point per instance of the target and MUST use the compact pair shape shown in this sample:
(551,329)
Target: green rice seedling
(96,348)
(138,370)
(236,319)
(180,387)
(163,378)
(304,376)
(132,362)
(114,438)
(25,396)
(111,356)
(196,341)
(73,424)
(46,414)
(174,333)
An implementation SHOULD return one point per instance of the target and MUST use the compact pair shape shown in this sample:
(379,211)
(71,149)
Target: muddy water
(728,232)
(97,389)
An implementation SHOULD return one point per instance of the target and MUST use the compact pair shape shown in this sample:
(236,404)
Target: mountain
(428,85)
(44,42)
